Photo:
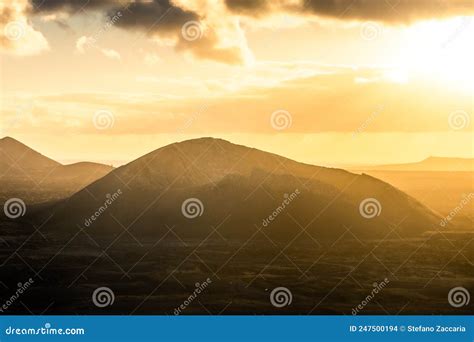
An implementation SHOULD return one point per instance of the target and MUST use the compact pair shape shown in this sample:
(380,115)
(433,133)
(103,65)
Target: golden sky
(324,82)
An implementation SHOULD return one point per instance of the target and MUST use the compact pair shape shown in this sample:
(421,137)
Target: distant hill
(17,157)
(239,187)
(33,177)
(428,164)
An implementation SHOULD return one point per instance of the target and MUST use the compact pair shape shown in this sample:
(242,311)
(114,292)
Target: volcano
(198,186)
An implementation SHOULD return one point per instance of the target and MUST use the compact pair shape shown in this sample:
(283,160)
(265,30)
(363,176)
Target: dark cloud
(158,16)
(157,19)
(248,6)
(71,6)
(161,18)
(391,11)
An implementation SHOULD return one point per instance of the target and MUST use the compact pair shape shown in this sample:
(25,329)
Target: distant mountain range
(236,189)
(428,164)
(37,178)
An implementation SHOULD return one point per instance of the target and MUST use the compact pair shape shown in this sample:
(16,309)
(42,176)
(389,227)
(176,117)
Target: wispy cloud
(84,43)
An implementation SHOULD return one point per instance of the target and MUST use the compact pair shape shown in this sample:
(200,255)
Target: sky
(322,82)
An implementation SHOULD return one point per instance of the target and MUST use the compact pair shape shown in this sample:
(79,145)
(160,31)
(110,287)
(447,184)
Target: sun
(440,50)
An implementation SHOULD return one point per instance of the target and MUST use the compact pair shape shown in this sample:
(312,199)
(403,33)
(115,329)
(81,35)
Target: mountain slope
(239,187)
(27,174)
(16,156)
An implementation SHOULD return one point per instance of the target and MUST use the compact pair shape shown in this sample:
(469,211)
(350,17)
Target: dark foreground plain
(156,277)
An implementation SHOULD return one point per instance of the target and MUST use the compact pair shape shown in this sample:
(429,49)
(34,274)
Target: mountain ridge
(30,175)
(237,187)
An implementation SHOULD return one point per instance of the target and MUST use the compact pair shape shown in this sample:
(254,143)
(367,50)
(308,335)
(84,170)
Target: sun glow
(439,50)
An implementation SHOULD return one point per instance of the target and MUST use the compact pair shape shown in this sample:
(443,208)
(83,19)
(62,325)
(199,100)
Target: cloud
(400,11)
(17,35)
(259,8)
(70,6)
(210,29)
(110,53)
(219,39)
(380,105)
(83,43)
(190,32)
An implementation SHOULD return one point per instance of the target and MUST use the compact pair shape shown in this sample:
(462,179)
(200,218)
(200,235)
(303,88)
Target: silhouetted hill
(29,175)
(239,187)
(17,157)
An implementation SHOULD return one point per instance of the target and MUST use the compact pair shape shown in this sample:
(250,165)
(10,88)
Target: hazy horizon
(341,164)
